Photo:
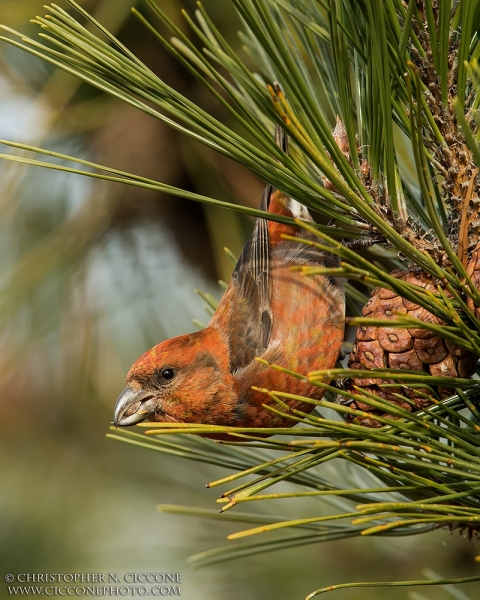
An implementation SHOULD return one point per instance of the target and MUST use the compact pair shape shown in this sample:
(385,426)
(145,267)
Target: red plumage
(268,311)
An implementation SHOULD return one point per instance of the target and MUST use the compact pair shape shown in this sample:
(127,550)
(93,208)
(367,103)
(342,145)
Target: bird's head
(180,380)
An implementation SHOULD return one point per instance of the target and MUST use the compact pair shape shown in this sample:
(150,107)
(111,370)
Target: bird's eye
(167,374)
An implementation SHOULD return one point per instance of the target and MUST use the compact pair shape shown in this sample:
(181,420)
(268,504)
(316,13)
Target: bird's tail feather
(286,206)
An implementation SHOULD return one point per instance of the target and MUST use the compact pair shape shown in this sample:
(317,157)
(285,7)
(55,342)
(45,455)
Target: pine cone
(473,271)
(397,348)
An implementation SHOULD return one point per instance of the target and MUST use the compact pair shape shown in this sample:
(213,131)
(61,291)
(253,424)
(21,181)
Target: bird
(269,311)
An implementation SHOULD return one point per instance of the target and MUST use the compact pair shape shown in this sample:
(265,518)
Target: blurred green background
(91,276)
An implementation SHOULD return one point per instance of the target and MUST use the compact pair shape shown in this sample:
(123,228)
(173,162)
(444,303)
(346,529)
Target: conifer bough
(403,78)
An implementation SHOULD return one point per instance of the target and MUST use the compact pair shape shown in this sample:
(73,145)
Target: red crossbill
(268,311)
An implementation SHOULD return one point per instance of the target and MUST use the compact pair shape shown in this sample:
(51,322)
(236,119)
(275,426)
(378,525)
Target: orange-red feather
(269,311)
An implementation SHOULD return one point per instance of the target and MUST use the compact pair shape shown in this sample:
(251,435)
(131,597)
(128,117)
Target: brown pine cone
(396,348)
(473,271)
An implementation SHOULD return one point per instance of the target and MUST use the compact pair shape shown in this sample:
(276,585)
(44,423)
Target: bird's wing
(244,314)
(251,318)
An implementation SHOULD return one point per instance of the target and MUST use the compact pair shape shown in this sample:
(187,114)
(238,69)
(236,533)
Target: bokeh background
(93,274)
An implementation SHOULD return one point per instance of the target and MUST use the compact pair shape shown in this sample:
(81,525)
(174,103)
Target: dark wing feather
(251,318)
(249,327)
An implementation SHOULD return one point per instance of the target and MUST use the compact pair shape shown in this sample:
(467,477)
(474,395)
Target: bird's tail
(278,203)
